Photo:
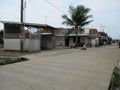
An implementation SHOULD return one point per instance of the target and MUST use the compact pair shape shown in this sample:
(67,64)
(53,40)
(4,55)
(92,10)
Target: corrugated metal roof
(36,25)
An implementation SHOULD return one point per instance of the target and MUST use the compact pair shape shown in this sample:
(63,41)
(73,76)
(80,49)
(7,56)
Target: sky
(106,13)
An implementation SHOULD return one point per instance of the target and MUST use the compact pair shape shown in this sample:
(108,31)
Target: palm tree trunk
(76,32)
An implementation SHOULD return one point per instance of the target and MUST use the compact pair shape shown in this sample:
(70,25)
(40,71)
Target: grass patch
(115,80)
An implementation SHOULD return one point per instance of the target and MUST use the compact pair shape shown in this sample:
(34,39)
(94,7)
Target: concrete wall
(47,42)
(34,45)
(26,44)
(71,41)
(59,41)
(93,42)
(14,44)
(60,32)
(59,38)
(84,40)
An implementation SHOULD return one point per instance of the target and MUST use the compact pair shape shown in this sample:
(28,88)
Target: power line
(109,11)
(79,1)
(59,5)
(71,2)
(16,9)
(53,6)
(34,8)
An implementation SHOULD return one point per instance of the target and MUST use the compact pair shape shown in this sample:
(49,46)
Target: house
(89,36)
(94,35)
(47,39)
(103,37)
(32,38)
(62,40)
(83,37)
(60,37)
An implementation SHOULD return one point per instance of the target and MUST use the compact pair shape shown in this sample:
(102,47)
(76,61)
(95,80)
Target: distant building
(89,36)
(63,40)
(60,37)
(103,37)
(94,35)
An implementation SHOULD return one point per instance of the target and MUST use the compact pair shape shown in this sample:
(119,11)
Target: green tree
(79,17)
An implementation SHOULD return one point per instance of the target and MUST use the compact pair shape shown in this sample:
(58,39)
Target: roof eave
(44,26)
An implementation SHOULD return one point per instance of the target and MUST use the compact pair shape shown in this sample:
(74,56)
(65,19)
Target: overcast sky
(106,13)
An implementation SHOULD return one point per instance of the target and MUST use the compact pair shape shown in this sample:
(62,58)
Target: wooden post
(22,28)
(39,36)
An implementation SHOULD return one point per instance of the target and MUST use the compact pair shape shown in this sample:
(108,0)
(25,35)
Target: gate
(34,40)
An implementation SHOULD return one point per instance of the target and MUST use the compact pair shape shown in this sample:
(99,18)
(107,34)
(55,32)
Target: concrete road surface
(62,69)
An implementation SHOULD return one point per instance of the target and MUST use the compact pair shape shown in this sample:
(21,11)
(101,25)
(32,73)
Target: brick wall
(93,31)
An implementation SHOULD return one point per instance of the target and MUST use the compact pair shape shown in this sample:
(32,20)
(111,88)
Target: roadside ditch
(115,80)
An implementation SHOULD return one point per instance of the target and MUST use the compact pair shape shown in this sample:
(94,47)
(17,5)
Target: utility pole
(22,27)
(102,27)
(46,20)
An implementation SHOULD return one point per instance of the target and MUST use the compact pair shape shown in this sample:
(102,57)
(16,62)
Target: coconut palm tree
(77,20)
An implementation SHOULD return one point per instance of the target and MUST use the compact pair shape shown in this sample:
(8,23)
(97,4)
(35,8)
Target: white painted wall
(26,44)
(34,44)
(12,44)
(93,42)
(86,30)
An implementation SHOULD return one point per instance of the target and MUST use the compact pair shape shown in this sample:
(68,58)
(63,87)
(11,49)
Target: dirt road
(63,69)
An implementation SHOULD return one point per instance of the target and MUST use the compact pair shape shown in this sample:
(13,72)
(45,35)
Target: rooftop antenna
(102,27)
(46,20)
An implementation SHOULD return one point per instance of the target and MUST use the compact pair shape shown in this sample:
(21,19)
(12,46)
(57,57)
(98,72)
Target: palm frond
(67,21)
(71,10)
(71,30)
(79,17)
(81,30)
(86,22)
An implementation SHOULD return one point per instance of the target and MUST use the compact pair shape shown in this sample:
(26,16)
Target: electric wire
(16,9)
(34,8)
(54,6)
(71,2)
(59,5)
(74,1)
(108,11)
